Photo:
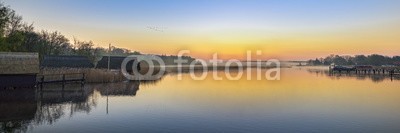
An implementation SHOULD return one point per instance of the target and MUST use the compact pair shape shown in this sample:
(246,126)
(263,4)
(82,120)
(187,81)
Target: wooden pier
(366,70)
(61,78)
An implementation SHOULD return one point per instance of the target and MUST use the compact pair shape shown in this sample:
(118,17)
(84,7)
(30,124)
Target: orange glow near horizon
(297,30)
(284,46)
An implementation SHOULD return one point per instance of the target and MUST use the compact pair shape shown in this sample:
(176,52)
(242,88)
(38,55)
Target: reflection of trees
(85,107)
(49,114)
(53,105)
(373,77)
(118,89)
(361,77)
(378,78)
(17,109)
(150,82)
(20,109)
(123,88)
(14,126)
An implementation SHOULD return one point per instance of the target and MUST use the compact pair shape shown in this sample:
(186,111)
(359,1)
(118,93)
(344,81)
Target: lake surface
(306,99)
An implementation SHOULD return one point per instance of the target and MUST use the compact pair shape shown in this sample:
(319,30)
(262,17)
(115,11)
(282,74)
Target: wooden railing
(61,78)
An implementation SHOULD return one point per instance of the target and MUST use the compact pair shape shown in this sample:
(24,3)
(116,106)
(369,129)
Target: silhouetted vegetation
(374,59)
(18,36)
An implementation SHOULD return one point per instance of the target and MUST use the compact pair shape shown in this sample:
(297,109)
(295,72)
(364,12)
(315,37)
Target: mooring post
(391,74)
(63,82)
(41,83)
(83,79)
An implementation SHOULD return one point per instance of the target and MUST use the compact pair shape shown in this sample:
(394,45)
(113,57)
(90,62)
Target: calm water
(304,100)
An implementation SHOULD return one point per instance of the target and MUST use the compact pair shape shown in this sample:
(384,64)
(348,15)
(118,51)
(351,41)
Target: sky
(281,29)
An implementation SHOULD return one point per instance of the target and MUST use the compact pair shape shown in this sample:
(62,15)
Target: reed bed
(91,75)
(105,76)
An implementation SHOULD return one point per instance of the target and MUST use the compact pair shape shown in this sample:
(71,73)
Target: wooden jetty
(61,78)
(364,69)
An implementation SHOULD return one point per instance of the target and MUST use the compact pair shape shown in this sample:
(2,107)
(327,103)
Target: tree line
(19,36)
(374,59)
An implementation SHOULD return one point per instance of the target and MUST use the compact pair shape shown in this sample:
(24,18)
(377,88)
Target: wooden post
(109,56)
(83,79)
(41,83)
(391,74)
(63,82)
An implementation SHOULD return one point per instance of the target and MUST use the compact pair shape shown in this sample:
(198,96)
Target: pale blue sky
(282,13)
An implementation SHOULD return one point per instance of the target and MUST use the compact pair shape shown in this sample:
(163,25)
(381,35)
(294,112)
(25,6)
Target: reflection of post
(391,75)
(62,93)
(41,96)
(83,80)
(63,81)
(107,102)
(82,90)
(41,83)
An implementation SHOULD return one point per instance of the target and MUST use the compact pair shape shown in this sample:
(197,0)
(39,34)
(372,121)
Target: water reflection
(23,109)
(18,109)
(323,71)
(54,103)
(306,99)
(118,89)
